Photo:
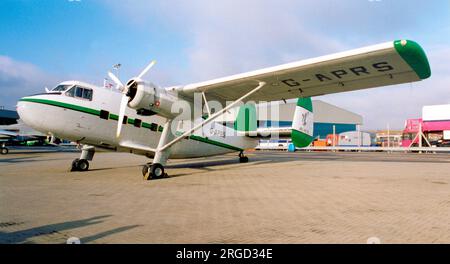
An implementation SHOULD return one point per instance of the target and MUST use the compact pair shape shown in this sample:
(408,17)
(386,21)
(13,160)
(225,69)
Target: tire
(4,151)
(83,165)
(74,165)
(145,170)
(157,171)
(243,159)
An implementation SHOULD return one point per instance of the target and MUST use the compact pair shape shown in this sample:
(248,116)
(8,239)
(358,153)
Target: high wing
(384,64)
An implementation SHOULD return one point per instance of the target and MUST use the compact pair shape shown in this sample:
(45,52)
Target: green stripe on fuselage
(213,142)
(116,118)
(63,105)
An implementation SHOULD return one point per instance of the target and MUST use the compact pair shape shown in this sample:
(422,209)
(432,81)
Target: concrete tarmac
(278,197)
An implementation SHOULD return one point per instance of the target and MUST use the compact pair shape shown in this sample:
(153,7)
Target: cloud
(18,79)
(394,104)
(228,37)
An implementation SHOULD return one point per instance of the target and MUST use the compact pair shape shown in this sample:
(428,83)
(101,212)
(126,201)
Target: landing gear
(153,171)
(4,150)
(243,158)
(82,163)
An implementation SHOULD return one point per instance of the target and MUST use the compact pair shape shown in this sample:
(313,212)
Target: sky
(43,42)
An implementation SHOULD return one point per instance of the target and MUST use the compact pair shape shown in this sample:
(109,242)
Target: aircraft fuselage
(94,122)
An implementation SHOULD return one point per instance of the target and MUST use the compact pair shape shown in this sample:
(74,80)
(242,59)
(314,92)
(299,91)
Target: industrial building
(326,116)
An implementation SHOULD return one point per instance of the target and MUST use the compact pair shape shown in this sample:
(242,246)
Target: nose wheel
(4,151)
(80,165)
(153,171)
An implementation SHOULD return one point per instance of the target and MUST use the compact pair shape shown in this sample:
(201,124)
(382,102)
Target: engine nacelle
(147,98)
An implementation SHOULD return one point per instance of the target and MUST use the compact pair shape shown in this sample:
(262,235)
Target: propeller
(125,89)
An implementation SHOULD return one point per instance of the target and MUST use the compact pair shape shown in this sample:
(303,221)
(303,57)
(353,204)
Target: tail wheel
(243,159)
(157,171)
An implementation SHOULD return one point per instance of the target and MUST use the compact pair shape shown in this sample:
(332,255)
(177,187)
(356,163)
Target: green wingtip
(415,56)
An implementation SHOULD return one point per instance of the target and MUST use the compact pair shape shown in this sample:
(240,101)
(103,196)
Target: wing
(389,63)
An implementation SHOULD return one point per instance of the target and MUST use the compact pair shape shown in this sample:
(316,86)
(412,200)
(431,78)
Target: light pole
(117,67)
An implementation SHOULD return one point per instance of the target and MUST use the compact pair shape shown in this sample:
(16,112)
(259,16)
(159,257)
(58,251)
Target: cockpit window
(71,92)
(80,92)
(61,88)
(87,94)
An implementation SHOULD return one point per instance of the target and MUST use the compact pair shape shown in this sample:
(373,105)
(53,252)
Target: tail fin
(303,123)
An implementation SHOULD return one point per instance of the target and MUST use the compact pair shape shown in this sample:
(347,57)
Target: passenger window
(137,122)
(104,114)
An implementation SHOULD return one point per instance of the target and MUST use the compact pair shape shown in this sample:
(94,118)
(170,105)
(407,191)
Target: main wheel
(74,165)
(83,165)
(145,170)
(4,151)
(157,171)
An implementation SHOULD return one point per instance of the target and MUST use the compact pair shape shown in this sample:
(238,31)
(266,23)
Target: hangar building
(325,117)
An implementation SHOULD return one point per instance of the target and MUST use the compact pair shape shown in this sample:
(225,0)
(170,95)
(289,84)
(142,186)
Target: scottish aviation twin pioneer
(145,118)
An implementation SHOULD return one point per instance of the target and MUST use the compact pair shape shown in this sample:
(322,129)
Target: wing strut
(211,118)
(206,104)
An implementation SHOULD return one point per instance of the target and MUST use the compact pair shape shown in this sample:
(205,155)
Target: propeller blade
(123,106)
(115,79)
(152,63)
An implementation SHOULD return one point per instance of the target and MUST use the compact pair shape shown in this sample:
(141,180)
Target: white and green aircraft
(145,119)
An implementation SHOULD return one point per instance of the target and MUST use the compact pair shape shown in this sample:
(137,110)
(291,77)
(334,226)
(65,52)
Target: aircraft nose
(25,111)
(21,108)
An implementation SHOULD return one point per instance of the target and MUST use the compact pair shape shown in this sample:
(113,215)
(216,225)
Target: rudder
(303,123)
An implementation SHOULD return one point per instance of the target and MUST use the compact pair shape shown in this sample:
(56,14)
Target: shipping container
(355,139)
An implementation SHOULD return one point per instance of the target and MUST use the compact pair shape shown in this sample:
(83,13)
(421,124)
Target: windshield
(61,88)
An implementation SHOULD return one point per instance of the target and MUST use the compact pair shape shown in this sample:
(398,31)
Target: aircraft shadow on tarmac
(208,165)
(58,231)
(24,159)
(19,159)
(280,157)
